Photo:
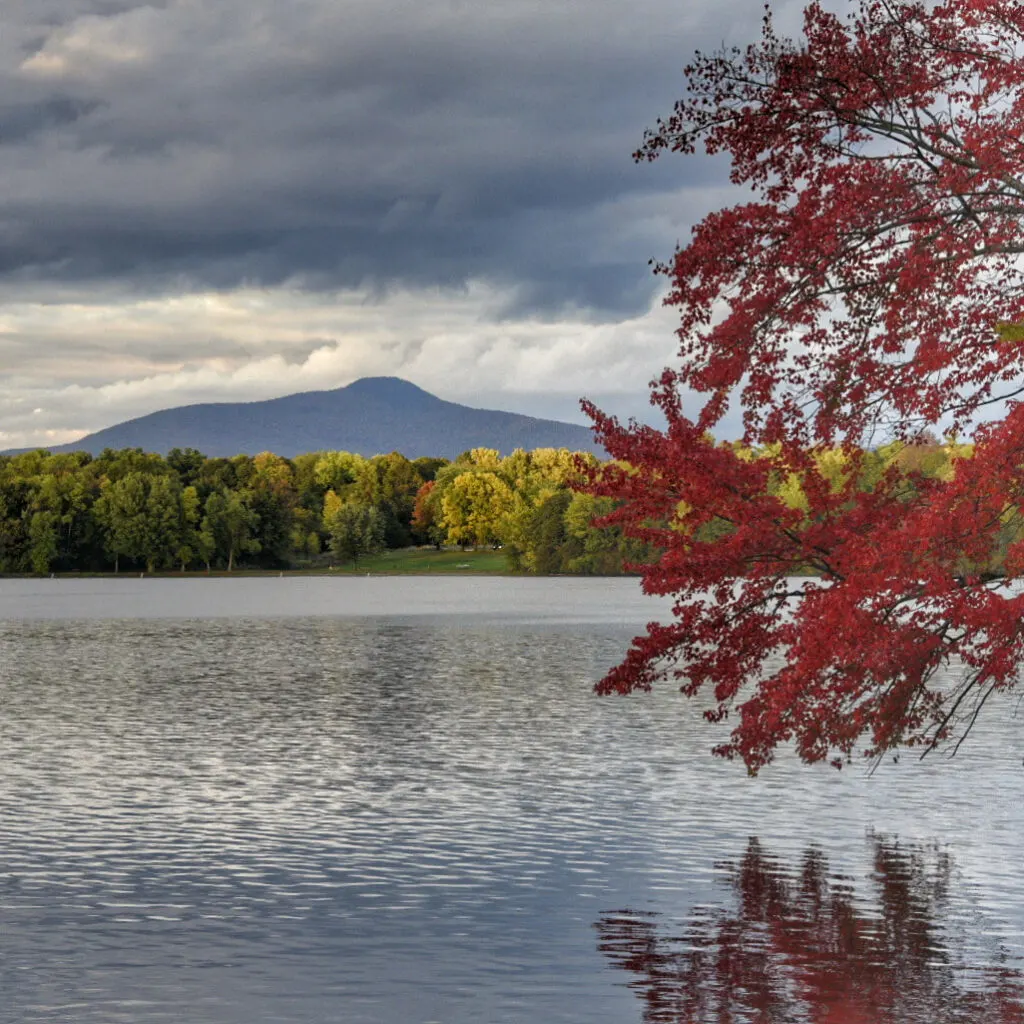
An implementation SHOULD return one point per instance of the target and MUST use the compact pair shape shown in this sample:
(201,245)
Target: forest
(132,510)
(129,510)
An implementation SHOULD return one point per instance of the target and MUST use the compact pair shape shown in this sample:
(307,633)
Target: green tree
(335,471)
(187,463)
(273,497)
(547,548)
(427,467)
(13,526)
(64,485)
(355,529)
(230,524)
(164,522)
(121,514)
(599,552)
(113,464)
(189,543)
(216,475)
(205,538)
(389,483)
(43,532)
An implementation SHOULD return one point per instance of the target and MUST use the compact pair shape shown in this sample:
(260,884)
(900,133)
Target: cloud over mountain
(365,152)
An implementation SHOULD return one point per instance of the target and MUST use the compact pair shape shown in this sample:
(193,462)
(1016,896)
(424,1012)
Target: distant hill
(371,416)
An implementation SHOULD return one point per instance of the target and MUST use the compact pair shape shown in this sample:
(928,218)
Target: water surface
(397,800)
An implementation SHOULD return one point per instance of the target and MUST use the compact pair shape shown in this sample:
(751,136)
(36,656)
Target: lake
(397,800)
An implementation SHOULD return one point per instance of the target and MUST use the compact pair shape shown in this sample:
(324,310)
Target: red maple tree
(867,291)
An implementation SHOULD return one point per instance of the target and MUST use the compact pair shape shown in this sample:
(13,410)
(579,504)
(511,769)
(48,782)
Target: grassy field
(427,560)
(403,561)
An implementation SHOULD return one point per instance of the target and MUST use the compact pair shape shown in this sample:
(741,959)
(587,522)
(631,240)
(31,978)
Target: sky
(237,200)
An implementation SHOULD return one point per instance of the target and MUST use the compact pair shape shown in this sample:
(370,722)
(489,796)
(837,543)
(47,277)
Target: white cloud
(136,356)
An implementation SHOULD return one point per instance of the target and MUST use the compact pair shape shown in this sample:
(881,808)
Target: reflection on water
(798,945)
(410,808)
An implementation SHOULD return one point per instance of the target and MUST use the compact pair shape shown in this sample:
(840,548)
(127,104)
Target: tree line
(134,510)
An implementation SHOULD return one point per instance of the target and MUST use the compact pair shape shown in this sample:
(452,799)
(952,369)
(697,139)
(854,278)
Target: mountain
(370,416)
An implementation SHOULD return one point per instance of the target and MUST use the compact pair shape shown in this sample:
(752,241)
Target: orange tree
(867,291)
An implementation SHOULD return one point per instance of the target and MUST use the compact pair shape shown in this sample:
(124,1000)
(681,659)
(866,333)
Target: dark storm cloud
(21,121)
(374,144)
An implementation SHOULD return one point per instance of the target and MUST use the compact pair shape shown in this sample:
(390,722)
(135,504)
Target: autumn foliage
(867,290)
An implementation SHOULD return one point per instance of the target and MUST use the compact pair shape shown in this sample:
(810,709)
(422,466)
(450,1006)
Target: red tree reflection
(800,948)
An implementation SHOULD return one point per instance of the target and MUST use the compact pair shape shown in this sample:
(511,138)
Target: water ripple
(409,820)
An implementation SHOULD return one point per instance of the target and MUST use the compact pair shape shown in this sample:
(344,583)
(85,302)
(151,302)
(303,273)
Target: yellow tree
(473,506)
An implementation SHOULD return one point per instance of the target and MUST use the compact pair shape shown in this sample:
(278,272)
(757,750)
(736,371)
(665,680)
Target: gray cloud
(376,143)
(235,200)
(21,121)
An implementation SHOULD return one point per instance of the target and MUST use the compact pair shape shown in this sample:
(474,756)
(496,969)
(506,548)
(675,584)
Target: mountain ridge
(370,416)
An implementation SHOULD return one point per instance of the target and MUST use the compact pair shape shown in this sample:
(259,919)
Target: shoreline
(330,573)
(394,562)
